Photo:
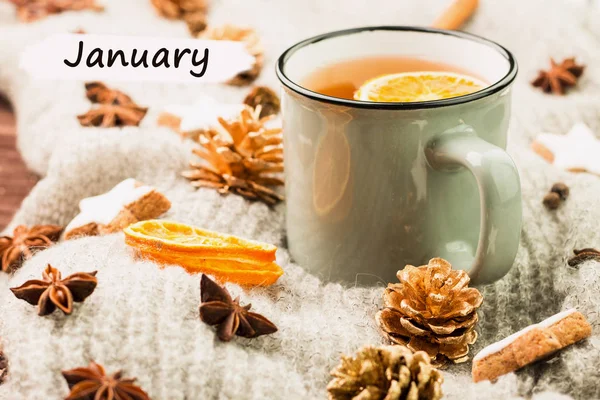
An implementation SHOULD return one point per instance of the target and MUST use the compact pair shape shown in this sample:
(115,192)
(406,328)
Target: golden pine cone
(193,12)
(196,22)
(432,309)
(176,9)
(253,46)
(385,373)
(264,97)
(242,158)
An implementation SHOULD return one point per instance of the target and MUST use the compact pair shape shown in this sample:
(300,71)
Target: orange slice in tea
(417,86)
(226,257)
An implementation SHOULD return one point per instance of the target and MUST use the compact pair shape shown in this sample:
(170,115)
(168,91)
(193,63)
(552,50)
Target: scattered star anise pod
(98,92)
(583,255)
(110,115)
(217,308)
(559,76)
(53,292)
(33,10)
(265,98)
(14,250)
(115,108)
(92,383)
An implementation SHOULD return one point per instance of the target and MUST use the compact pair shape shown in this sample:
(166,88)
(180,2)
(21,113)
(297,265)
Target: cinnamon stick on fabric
(456,15)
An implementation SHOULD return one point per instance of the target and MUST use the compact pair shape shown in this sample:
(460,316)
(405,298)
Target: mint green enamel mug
(371,187)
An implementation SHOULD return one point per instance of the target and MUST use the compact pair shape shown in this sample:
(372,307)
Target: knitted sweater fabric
(144,319)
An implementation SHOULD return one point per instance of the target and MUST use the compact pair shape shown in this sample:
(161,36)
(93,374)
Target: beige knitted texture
(144,320)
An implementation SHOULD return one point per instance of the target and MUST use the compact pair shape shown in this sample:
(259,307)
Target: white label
(88,57)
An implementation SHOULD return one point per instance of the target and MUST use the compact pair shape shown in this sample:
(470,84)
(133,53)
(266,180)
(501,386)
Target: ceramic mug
(371,187)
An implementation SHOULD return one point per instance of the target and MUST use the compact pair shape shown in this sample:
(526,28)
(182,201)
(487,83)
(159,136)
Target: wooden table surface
(15,180)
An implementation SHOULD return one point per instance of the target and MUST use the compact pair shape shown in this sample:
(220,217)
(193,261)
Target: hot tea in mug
(394,153)
(411,78)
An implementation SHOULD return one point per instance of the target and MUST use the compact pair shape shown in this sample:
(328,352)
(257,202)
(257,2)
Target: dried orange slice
(226,257)
(417,86)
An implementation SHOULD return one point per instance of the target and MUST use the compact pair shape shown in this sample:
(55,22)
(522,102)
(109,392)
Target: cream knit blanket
(144,320)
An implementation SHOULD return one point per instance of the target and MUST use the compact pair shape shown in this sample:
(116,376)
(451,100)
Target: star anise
(32,10)
(98,92)
(115,109)
(559,76)
(53,292)
(92,383)
(14,250)
(217,308)
(110,115)
(583,255)
(265,98)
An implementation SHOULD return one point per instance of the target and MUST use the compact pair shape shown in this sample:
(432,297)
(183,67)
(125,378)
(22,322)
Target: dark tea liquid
(344,78)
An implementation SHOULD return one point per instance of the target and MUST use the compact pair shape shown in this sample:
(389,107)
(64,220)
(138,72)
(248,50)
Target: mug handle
(499,197)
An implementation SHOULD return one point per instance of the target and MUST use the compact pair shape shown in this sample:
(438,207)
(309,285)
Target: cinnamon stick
(456,15)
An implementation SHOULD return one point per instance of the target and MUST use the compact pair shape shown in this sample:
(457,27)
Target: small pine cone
(196,22)
(385,373)
(432,309)
(264,97)
(177,9)
(3,366)
(168,8)
(245,161)
(253,45)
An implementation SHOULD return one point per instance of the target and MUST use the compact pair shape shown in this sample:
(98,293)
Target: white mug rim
(498,86)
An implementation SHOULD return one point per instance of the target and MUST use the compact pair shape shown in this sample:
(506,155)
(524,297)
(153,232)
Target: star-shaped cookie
(128,202)
(577,151)
(200,116)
